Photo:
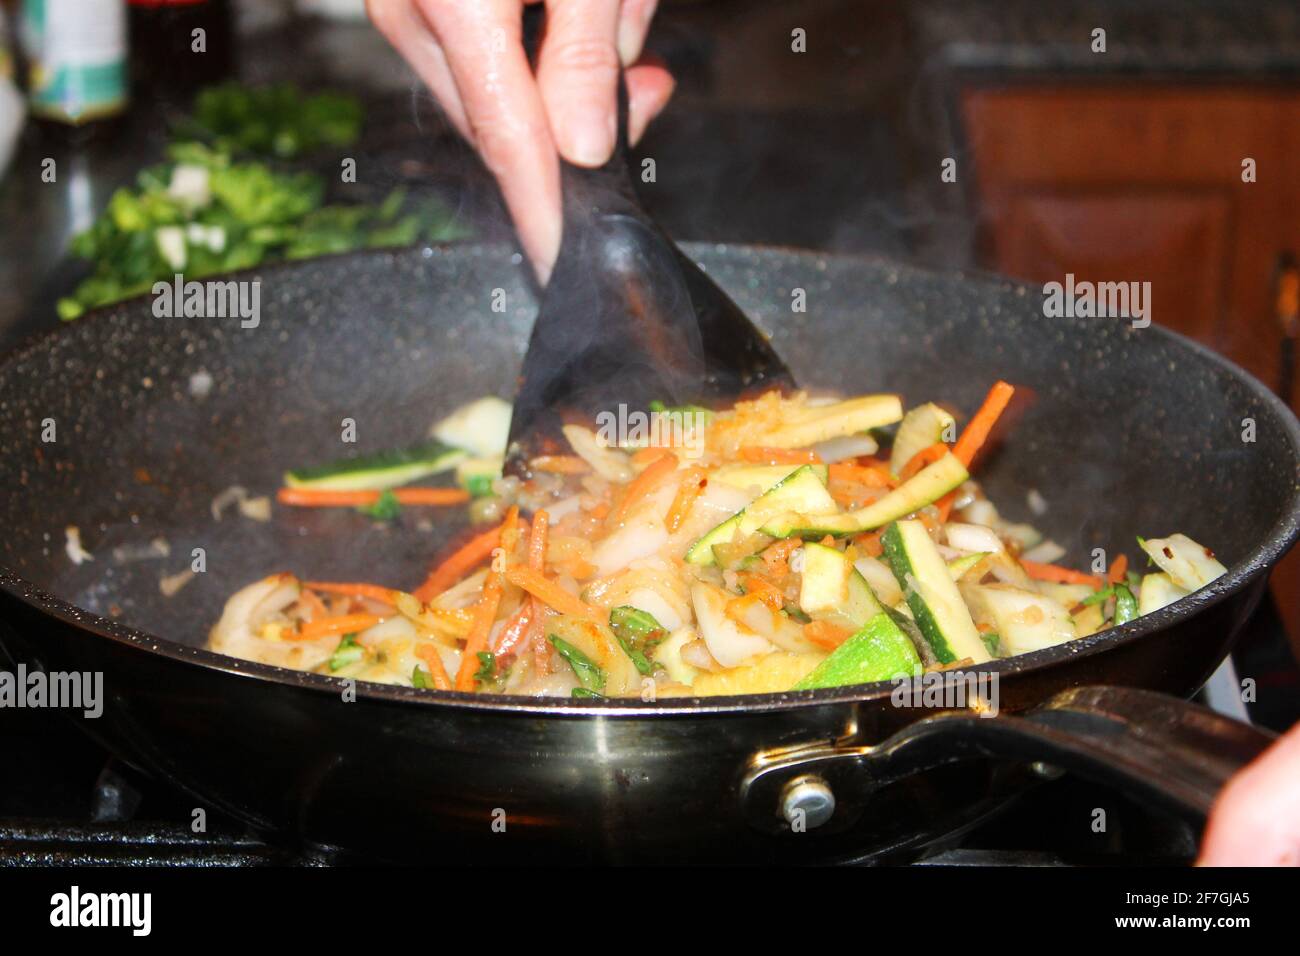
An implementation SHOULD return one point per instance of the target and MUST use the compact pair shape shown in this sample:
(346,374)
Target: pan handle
(1149,745)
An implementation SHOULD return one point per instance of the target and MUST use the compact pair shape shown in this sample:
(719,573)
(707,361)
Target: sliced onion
(564,507)
(639,538)
(644,599)
(258,509)
(845,447)
(169,584)
(224,499)
(880,579)
(972,538)
(72,545)
(1045,552)
(277,599)
(696,654)
(610,464)
(728,642)
(981,511)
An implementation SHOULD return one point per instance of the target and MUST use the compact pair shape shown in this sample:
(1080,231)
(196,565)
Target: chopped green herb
(589,694)
(991,641)
(1126,605)
(589,675)
(385,509)
(420,678)
(214,208)
(637,632)
(279,120)
(636,626)
(487,667)
(1097,597)
(348,652)
(479,486)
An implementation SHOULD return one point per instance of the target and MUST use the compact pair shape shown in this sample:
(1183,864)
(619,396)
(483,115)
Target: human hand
(1256,819)
(470,53)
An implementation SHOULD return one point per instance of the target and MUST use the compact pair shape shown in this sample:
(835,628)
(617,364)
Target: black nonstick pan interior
(1124,431)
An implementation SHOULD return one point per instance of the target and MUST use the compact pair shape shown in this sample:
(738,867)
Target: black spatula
(627,319)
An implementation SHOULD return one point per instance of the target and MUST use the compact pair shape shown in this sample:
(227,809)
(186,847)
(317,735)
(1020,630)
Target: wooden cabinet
(1139,183)
(1145,184)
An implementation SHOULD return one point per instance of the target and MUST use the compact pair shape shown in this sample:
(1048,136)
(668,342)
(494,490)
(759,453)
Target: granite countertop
(1186,37)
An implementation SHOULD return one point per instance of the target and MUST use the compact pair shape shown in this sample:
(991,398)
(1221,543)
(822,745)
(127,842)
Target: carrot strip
(324,498)
(516,628)
(649,455)
(431,496)
(1118,568)
(944,505)
(643,484)
(926,456)
(541,648)
(776,557)
(315,606)
(353,589)
(560,464)
(778,456)
(861,474)
(870,544)
(978,428)
(342,624)
(429,654)
(551,594)
(509,538)
(485,613)
(1054,572)
(537,541)
(825,634)
(763,589)
(459,563)
(693,483)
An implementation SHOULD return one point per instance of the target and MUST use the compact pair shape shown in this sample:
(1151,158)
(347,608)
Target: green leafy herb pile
(273,120)
(212,208)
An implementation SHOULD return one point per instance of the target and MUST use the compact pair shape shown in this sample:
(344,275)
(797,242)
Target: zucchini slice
(831,589)
(878,651)
(823,422)
(481,427)
(920,428)
(803,491)
(376,472)
(762,477)
(935,602)
(958,567)
(926,486)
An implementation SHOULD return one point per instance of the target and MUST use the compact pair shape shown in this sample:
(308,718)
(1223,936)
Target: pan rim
(1261,558)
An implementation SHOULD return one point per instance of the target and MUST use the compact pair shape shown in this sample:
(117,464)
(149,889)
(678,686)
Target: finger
(505,115)
(633,25)
(578,76)
(1256,819)
(404,27)
(649,88)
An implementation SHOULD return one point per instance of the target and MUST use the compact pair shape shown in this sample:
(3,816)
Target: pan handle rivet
(807,800)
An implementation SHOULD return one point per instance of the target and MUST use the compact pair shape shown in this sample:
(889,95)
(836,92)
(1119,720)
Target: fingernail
(590,138)
(629,40)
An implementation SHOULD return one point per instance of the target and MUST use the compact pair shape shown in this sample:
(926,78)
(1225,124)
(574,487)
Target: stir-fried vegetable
(742,564)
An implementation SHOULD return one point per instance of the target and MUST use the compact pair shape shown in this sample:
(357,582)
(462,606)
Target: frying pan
(1127,431)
